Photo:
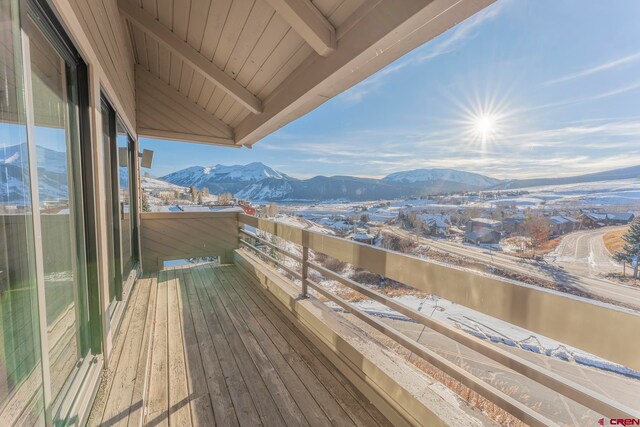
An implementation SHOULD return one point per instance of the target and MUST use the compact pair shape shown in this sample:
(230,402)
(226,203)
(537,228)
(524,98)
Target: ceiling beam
(372,38)
(308,22)
(188,54)
(164,112)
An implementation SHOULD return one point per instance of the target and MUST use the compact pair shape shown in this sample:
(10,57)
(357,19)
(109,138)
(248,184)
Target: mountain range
(259,182)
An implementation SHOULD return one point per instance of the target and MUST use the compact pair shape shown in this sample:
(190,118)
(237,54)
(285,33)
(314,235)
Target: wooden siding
(213,350)
(170,236)
(165,113)
(107,34)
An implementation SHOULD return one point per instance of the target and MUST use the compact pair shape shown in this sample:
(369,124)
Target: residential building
(483,231)
(561,224)
(436,224)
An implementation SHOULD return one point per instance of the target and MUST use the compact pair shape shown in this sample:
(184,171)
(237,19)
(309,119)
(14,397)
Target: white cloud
(595,69)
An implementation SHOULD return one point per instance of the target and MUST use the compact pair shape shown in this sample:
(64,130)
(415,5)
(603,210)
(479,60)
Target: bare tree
(538,229)
(271,210)
(225,198)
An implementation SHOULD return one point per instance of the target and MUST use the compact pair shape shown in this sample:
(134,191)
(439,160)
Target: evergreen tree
(145,203)
(631,247)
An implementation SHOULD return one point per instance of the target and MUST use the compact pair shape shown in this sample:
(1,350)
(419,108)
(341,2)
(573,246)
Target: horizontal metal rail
(576,392)
(509,404)
(271,245)
(272,259)
(600,329)
(381,263)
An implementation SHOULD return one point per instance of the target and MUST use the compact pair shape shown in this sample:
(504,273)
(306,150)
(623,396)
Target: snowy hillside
(200,175)
(266,190)
(605,194)
(52,174)
(449,175)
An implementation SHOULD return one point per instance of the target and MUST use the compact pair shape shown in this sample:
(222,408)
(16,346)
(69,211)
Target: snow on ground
(601,193)
(487,328)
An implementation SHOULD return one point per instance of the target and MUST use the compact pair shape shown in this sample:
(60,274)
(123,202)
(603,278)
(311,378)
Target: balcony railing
(600,329)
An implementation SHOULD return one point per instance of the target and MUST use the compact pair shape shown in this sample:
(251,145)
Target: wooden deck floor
(203,346)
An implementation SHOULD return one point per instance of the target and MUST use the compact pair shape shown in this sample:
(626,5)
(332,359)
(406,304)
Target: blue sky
(524,88)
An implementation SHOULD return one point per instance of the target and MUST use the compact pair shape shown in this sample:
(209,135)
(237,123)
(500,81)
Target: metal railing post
(305,271)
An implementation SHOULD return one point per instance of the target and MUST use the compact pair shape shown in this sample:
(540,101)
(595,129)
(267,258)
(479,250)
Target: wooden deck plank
(138,399)
(102,397)
(204,346)
(119,406)
(362,412)
(179,397)
(290,348)
(287,405)
(295,383)
(269,413)
(224,380)
(158,401)
(201,406)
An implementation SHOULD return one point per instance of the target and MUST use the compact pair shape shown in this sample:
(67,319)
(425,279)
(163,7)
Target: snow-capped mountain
(257,181)
(442,175)
(52,174)
(220,178)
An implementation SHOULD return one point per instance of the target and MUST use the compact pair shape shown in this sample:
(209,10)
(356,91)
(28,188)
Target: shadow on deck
(202,346)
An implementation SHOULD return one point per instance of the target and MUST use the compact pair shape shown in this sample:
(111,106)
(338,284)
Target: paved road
(584,253)
(547,270)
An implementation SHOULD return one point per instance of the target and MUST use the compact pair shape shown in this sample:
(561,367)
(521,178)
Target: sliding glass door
(120,199)
(21,382)
(57,149)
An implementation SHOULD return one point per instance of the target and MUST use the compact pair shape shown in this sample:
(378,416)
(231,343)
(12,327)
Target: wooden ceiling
(232,71)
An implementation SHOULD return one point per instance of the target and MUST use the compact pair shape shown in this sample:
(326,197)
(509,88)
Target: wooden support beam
(188,54)
(165,113)
(308,22)
(378,33)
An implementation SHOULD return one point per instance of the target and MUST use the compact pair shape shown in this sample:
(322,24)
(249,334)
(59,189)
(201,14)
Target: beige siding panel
(164,63)
(239,118)
(344,11)
(186,235)
(258,20)
(273,34)
(161,107)
(181,18)
(215,100)
(215,23)
(224,106)
(197,22)
(165,12)
(326,7)
(286,70)
(140,47)
(151,7)
(205,93)
(197,84)
(175,74)
(233,112)
(108,37)
(280,55)
(152,54)
(185,78)
(234,25)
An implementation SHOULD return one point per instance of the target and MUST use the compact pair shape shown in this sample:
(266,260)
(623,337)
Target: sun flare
(485,126)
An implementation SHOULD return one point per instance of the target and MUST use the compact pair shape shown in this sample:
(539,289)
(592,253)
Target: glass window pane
(124,194)
(59,185)
(21,398)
